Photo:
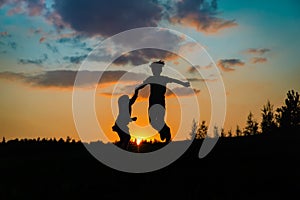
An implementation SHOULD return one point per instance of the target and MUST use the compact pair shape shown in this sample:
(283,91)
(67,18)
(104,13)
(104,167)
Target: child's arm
(134,97)
(136,91)
(131,102)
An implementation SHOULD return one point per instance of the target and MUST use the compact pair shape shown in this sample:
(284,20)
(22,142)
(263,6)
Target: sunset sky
(255,45)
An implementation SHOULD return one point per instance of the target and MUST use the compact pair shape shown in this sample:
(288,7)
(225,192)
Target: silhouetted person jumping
(156,108)
(123,119)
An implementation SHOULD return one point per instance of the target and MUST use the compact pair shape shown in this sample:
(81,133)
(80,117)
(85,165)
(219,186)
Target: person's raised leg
(157,121)
(165,133)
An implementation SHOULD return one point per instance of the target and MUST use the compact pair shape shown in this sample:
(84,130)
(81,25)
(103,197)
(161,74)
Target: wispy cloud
(201,79)
(257,55)
(256,60)
(12,45)
(12,76)
(258,51)
(145,92)
(195,68)
(182,91)
(143,56)
(30,7)
(200,15)
(51,48)
(42,39)
(5,34)
(228,65)
(38,61)
(17,9)
(75,59)
(74,40)
(66,78)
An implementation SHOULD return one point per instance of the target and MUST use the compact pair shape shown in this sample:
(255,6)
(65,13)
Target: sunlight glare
(138,141)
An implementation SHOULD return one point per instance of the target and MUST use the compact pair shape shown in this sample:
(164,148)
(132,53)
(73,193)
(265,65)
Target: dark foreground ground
(253,167)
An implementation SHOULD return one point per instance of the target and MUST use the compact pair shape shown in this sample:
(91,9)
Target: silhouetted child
(123,119)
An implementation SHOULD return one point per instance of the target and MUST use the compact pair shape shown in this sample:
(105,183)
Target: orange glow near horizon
(30,112)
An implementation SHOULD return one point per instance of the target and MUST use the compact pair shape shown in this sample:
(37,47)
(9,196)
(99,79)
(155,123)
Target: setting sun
(138,141)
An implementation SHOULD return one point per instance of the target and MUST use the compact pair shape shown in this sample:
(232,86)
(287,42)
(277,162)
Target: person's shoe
(165,136)
(162,136)
(134,118)
(168,137)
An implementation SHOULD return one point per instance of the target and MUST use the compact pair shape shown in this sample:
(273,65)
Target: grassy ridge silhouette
(254,167)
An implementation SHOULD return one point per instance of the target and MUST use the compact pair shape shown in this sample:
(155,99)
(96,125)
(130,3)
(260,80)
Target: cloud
(256,60)
(193,69)
(66,78)
(143,56)
(36,31)
(12,76)
(228,65)
(15,10)
(38,61)
(35,7)
(257,51)
(5,34)
(145,92)
(52,48)
(201,79)
(55,19)
(107,18)
(75,59)
(165,38)
(75,41)
(30,7)
(200,15)
(42,39)
(72,39)
(12,45)
(181,91)
(3,2)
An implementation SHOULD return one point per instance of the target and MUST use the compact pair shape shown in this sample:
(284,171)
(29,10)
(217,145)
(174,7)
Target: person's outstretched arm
(185,84)
(145,82)
(140,87)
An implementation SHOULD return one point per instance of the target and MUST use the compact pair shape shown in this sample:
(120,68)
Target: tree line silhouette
(283,119)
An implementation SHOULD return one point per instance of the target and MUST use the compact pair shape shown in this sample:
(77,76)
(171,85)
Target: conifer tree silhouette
(268,123)
(202,130)
(251,126)
(288,116)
